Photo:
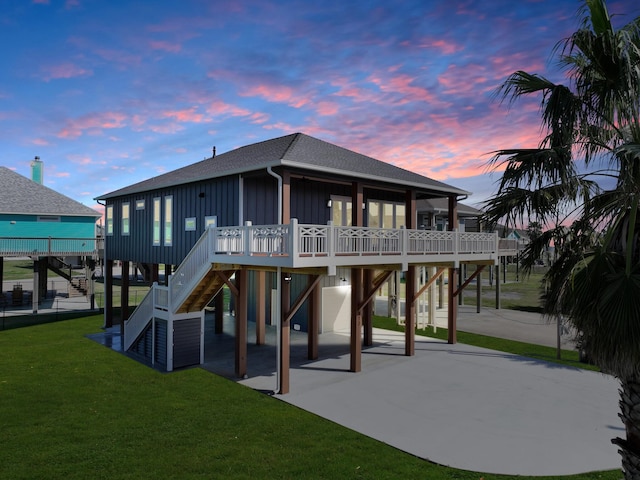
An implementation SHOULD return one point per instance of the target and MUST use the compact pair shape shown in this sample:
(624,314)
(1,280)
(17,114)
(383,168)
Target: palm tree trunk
(630,415)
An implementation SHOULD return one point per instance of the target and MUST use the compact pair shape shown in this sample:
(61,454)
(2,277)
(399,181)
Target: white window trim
(157,208)
(108,228)
(168,239)
(125,229)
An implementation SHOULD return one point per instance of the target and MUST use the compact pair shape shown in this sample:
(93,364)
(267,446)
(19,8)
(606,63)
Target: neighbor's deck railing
(50,246)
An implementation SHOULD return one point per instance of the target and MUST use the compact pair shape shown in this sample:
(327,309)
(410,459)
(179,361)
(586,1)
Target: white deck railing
(298,240)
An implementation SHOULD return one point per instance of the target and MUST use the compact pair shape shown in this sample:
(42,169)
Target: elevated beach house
(286,224)
(47,227)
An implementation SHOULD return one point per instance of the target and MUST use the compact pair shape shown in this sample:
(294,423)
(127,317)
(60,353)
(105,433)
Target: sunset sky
(109,93)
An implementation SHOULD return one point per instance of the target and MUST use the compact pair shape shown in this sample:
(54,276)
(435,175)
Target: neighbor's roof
(20,195)
(441,205)
(295,150)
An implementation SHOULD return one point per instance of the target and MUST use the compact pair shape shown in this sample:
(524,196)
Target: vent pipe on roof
(214,152)
(37,171)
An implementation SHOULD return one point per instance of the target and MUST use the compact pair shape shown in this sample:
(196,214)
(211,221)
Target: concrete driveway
(456,405)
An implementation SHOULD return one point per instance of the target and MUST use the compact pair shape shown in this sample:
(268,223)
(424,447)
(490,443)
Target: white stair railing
(192,269)
(138,320)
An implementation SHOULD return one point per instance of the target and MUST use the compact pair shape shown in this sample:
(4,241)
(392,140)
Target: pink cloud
(468,81)
(185,115)
(165,46)
(327,108)
(403,84)
(503,66)
(92,123)
(40,141)
(166,128)
(446,47)
(276,93)
(259,117)
(218,107)
(81,159)
(64,70)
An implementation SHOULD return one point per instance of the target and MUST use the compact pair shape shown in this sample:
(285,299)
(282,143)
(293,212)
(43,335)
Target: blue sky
(109,93)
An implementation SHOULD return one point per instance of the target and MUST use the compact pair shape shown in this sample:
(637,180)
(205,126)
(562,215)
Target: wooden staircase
(203,293)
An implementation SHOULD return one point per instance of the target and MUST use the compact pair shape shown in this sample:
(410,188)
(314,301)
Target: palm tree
(582,184)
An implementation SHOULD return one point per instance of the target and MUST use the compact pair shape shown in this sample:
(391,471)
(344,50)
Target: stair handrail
(139,319)
(190,271)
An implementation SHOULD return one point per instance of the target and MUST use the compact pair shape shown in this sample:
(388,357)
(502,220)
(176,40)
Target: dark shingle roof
(21,195)
(295,150)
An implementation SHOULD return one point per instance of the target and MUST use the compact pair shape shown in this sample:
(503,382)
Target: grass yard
(23,270)
(73,409)
(523,294)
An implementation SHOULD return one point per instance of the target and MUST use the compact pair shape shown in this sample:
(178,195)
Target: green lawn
(72,409)
(523,294)
(23,270)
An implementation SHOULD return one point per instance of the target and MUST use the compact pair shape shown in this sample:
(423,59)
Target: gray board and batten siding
(215,197)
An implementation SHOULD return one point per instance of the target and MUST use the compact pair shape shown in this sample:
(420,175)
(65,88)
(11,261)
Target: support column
(431,297)
(124,294)
(42,278)
(461,274)
(90,266)
(357,199)
(285,341)
(155,273)
(452,318)
(356,321)
(219,313)
(497,287)
(261,306)
(167,274)
(452,314)
(441,291)
(108,293)
(36,285)
(478,291)
(314,323)
(241,323)
(367,312)
(286,197)
(1,275)
(410,313)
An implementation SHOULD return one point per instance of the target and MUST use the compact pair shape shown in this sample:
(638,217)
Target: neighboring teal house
(42,224)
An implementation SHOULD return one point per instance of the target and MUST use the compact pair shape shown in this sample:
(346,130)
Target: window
(156,221)
(210,221)
(341,211)
(48,218)
(373,210)
(125,219)
(168,220)
(109,219)
(140,204)
(190,224)
(386,215)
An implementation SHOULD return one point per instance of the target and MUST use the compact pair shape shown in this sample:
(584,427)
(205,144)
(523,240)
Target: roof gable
(20,195)
(295,150)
